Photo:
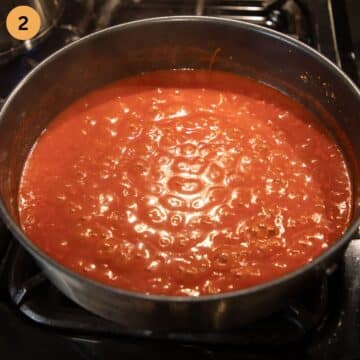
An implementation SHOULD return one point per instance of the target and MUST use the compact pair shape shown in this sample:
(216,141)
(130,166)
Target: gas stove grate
(307,20)
(283,15)
(41,302)
(287,16)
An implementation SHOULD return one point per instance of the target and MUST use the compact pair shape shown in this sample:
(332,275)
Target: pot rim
(40,255)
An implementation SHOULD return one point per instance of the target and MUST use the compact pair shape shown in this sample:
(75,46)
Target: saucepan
(167,43)
(49,12)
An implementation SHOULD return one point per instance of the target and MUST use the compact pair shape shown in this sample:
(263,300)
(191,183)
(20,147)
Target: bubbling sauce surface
(185,183)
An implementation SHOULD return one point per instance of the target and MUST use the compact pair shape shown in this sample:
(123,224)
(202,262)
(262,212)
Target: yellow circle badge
(23,22)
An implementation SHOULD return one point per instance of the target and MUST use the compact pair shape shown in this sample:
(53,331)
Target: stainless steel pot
(177,42)
(49,11)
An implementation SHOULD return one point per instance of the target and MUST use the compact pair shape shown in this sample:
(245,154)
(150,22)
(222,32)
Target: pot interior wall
(180,43)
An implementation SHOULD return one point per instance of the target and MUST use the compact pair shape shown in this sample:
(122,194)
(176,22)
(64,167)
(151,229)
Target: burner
(38,300)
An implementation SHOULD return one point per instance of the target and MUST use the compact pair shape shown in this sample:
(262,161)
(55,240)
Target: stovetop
(37,321)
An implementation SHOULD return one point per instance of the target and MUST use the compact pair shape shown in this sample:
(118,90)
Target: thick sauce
(185,183)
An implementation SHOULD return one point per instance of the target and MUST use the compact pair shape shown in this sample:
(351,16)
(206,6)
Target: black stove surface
(37,321)
(32,293)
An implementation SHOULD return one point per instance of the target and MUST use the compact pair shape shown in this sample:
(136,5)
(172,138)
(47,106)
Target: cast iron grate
(85,16)
(41,302)
(310,21)
(282,15)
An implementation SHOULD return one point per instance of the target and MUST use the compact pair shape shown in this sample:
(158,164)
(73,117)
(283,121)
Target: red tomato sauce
(185,183)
